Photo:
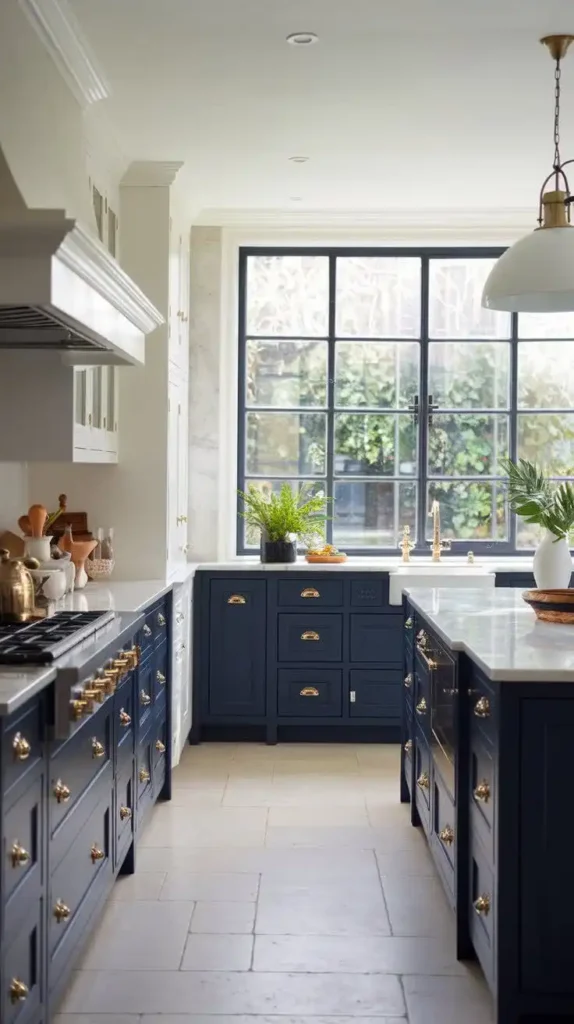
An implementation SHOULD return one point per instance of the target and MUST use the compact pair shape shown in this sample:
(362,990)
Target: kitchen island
(487,752)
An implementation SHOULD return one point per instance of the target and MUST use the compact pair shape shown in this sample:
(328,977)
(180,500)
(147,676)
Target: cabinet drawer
(375,693)
(482,709)
(145,692)
(422,777)
(310,637)
(22,744)
(482,791)
(76,762)
(482,910)
(160,670)
(89,854)
(124,814)
(310,593)
(422,700)
(23,974)
(237,648)
(22,867)
(377,638)
(159,748)
(144,772)
(444,835)
(124,723)
(371,593)
(310,693)
(154,629)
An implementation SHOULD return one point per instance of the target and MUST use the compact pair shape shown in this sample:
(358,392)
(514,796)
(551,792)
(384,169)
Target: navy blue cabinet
(237,652)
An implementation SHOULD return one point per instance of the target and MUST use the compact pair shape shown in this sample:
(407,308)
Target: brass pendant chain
(557,160)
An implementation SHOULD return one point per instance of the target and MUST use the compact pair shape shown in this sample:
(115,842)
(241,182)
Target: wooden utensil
(37,514)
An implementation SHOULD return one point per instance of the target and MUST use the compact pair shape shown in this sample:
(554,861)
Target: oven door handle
(430,663)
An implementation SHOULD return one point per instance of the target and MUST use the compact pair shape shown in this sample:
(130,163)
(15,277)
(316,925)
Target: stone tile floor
(282,885)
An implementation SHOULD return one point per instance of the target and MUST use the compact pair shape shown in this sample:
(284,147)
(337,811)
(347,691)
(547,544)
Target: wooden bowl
(552,605)
(326,559)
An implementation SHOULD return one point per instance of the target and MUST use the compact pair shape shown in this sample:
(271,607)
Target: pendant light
(536,274)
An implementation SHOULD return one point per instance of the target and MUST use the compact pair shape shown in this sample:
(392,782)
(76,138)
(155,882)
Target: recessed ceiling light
(295,199)
(298,159)
(302,38)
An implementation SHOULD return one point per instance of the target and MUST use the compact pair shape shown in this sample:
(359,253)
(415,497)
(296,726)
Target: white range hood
(61,289)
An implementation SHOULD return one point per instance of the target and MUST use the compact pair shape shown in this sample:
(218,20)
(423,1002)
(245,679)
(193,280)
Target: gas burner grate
(44,640)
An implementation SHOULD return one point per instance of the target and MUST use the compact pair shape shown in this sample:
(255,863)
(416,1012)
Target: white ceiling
(410,104)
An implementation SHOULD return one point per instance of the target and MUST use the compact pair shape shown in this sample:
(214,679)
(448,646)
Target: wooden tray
(326,559)
(552,605)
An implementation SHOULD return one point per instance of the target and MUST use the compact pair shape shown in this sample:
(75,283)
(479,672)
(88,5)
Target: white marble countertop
(387,563)
(499,632)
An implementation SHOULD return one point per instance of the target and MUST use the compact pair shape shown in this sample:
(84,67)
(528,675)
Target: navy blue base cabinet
(70,811)
(305,655)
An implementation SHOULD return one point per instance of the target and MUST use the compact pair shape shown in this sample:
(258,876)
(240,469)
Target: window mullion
(423,405)
(513,425)
(331,393)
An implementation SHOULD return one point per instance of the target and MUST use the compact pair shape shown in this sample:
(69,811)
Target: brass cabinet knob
(21,747)
(125,813)
(236,599)
(160,747)
(160,677)
(482,708)
(409,622)
(310,592)
(309,691)
(145,698)
(96,854)
(160,619)
(18,855)
(422,639)
(482,792)
(310,634)
(61,792)
(144,775)
(446,835)
(18,991)
(125,719)
(61,912)
(482,905)
(408,746)
(423,780)
(409,680)
(422,707)
(146,630)
(98,749)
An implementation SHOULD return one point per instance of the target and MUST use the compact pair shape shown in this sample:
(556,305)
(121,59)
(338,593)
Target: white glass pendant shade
(536,275)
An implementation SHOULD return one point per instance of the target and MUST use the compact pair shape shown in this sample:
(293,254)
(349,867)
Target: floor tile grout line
(380,877)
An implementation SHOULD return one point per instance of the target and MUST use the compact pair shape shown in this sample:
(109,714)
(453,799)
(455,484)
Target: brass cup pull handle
(145,698)
(482,792)
(144,775)
(236,599)
(310,592)
(310,634)
(125,719)
(409,622)
(423,780)
(482,708)
(160,677)
(61,912)
(61,792)
(422,707)
(18,991)
(409,680)
(160,747)
(96,854)
(482,905)
(18,855)
(446,835)
(21,747)
(408,747)
(125,813)
(160,619)
(98,749)
(146,630)
(309,691)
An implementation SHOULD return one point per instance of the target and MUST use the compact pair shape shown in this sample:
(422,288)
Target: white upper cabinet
(96,414)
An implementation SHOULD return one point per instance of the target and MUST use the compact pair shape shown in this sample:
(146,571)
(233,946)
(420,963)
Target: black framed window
(376,376)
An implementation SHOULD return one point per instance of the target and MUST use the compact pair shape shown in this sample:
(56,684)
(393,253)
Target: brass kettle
(16,590)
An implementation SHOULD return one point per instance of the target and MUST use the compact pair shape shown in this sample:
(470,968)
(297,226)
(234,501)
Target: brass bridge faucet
(438,545)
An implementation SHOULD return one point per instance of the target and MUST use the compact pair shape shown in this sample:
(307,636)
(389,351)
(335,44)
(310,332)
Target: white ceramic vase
(552,563)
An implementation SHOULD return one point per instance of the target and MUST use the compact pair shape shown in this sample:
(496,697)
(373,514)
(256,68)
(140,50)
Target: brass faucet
(438,545)
(406,545)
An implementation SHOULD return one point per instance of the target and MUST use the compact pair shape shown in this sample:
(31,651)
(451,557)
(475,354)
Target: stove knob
(94,694)
(122,665)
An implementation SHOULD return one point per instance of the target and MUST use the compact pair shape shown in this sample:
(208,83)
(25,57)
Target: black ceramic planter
(278,550)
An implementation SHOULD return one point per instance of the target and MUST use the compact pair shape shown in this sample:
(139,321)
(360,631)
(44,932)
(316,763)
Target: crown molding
(60,34)
(151,173)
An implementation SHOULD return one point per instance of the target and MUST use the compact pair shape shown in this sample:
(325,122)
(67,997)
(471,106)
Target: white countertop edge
(356,563)
(19,685)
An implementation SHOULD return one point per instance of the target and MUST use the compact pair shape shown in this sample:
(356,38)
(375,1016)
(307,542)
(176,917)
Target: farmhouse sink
(441,574)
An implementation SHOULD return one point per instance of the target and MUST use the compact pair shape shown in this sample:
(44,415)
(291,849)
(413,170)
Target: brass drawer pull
(98,749)
(409,622)
(422,639)
(423,780)
(430,663)
(446,835)
(482,708)
(160,619)
(125,719)
(96,854)
(61,792)
(96,694)
(310,634)
(145,698)
(160,677)
(482,905)
(21,747)
(482,792)
(125,813)
(78,708)
(408,747)
(236,599)
(309,691)
(421,708)
(146,630)
(160,747)
(18,855)
(18,991)
(310,592)
(61,912)
(409,680)
(144,775)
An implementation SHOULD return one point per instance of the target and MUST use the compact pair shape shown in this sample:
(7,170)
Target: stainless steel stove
(42,641)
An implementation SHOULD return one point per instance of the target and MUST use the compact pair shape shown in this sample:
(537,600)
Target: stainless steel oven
(443,688)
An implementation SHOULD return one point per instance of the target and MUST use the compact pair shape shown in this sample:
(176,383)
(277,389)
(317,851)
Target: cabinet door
(173,526)
(82,407)
(182,471)
(237,639)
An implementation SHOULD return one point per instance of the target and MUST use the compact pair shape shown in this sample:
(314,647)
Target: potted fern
(284,518)
(537,501)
